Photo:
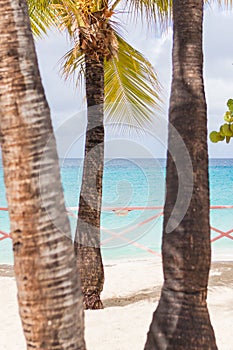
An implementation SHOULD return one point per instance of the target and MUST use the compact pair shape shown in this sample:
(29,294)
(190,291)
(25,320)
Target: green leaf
(131,88)
(42,16)
(157,12)
(131,85)
(228,117)
(230,104)
(215,137)
(227,130)
(73,65)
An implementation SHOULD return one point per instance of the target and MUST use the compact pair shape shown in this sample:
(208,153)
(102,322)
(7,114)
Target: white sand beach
(130,296)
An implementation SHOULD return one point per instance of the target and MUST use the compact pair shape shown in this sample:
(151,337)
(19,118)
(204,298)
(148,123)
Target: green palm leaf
(157,12)
(131,88)
(73,64)
(131,85)
(42,16)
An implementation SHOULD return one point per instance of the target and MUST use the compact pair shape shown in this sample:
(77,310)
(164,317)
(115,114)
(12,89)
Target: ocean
(139,186)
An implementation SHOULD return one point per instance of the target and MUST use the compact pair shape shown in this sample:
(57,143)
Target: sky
(67,102)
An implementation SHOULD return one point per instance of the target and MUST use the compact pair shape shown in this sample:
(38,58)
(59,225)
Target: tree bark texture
(181,320)
(49,292)
(87,238)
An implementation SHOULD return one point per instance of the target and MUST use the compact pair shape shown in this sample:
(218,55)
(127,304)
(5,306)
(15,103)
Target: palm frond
(132,90)
(73,65)
(74,14)
(226,4)
(223,4)
(69,15)
(157,12)
(42,16)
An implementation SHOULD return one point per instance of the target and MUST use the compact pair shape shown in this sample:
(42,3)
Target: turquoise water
(130,183)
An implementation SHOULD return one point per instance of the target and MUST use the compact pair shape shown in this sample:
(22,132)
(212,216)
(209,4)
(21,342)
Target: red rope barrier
(138,208)
(4,235)
(222,234)
(133,227)
(136,244)
(123,211)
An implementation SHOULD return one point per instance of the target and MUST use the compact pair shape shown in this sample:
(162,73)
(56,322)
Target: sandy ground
(130,296)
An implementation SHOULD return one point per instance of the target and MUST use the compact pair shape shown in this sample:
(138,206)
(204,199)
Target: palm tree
(49,292)
(111,65)
(181,320)
(126,79)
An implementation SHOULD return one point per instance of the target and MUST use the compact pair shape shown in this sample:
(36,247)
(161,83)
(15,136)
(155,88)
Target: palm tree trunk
(49,293)
(87,238)
(181,320)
